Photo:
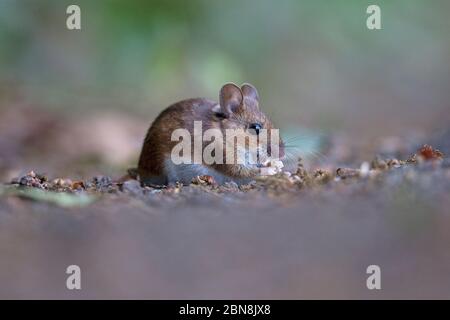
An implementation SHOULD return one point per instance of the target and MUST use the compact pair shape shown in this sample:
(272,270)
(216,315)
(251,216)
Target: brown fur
(239,107)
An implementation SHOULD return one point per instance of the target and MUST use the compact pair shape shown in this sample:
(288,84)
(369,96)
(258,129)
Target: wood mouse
(238,108)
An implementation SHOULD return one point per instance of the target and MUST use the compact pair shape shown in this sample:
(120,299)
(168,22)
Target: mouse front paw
(271,167)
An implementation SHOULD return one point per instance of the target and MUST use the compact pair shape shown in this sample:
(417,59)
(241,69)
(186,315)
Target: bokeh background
(77,104)
(76,101)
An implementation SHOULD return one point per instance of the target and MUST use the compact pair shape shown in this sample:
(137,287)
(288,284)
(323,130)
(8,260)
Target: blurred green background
(315,63)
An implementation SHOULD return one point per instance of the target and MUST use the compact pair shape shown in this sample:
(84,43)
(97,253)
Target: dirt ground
(309,233)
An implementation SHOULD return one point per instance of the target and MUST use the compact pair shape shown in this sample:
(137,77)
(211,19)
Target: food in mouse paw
(272,167)
(204,180)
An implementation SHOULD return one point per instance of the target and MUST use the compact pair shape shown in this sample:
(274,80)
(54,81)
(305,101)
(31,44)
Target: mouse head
(239,109)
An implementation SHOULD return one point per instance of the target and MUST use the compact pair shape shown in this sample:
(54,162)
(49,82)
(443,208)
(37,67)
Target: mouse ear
(230,98)
(250,94)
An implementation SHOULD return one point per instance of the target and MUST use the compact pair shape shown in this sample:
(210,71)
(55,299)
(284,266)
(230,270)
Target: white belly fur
(184,173)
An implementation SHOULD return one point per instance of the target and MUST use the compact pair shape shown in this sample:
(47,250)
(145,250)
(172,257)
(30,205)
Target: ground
(309,233)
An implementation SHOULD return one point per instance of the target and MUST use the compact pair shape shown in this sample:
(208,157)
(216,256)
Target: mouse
(238,111)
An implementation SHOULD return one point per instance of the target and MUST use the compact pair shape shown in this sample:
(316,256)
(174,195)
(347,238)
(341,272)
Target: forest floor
(310,232)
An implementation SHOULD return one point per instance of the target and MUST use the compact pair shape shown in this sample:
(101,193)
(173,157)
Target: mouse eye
(255,126)
(220,115)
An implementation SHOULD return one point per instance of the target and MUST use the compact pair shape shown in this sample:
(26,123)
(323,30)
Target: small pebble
(132,186)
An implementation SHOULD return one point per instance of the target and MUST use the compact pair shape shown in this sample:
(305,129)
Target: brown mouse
(238,108)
